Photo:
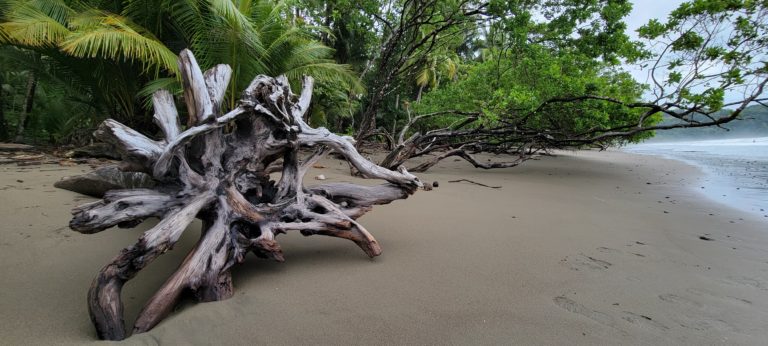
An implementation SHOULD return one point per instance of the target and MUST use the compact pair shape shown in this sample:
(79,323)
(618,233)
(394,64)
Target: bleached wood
(128,141)
(198,100)
(218,170)
(121,206)
(104,303)
(205,260)
(166,117)
(217,80)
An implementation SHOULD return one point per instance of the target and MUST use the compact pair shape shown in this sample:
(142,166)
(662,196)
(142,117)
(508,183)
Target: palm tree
(105,54)
(118,50)
(251,36)
(435,66)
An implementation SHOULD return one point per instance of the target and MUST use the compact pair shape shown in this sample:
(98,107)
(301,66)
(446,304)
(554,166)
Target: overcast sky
(645,10)
(642,12)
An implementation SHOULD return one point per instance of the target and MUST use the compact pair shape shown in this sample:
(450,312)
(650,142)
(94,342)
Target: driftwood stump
(218,170)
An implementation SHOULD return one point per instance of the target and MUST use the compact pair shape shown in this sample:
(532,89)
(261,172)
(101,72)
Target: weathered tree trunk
(29,100)
(368,119)
(3,121)
(218,170)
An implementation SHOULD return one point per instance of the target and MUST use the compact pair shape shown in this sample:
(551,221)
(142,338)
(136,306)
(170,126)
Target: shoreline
(731,180)
(718,194)
(582,248)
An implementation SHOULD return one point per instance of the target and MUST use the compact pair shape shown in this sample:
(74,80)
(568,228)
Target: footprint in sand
(701,292)
(576,308)
(698,321)
(643,321)
(607,250)
(706,324)
(604,249)
(675,299)
(748,281)
(582,261)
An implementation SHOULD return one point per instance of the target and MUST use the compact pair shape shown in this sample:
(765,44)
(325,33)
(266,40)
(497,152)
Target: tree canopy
(425,77)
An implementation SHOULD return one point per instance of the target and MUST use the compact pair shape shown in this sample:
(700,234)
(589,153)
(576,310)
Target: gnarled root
(218,170)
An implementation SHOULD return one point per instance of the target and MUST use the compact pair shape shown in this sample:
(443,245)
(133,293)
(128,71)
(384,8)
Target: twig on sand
(474,182)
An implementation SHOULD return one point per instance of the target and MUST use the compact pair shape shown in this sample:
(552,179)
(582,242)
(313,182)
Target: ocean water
(736,169)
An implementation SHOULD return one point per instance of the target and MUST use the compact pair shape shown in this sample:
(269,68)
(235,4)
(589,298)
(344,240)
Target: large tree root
(218,170)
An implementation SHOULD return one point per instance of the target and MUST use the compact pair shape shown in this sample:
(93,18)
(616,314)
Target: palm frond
(56,9)
(227,10)
(147,13)
(145,93)
(27,25)
(328,72)
(423,77)
(451,68)
(187,18)
(302,52)
(114,37)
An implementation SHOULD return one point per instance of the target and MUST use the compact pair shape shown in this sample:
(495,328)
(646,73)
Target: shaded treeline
(442,78)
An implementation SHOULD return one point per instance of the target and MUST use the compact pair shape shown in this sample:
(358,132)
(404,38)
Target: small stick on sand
(474,182)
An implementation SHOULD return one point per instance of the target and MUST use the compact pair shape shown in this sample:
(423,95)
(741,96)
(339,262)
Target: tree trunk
(418,95)
(218,170)
(368,120)
(28,103)
(3,121)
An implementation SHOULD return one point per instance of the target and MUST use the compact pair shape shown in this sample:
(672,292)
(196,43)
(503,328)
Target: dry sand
(584,248)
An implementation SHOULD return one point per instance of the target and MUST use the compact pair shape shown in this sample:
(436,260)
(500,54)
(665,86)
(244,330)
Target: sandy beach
(583,248)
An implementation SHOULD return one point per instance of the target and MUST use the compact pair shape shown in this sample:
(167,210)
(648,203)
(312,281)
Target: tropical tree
(544,87)
(101,54)
(411,32)
(119,50)
(58,109)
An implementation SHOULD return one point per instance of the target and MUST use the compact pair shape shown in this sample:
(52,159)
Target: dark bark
(3,120)
(29,100)
(406,46)
(522,139)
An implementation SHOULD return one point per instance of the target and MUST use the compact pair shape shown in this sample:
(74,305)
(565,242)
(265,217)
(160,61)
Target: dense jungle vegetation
(417,75)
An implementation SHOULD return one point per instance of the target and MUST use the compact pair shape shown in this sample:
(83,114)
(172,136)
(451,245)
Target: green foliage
(515,61)
(592,28)
(97,34)
(512,89)
(114,51)
(707,49)
(61,113)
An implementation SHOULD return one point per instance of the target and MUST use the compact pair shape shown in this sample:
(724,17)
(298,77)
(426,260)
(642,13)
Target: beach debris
(473,182)
(15,147)
(320,177)
(96,150)
(217,170)
(703,237)
(103,179)
(435,184)
(27,157)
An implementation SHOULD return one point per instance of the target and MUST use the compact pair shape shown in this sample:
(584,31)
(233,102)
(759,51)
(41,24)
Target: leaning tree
(705,65)
(218,170)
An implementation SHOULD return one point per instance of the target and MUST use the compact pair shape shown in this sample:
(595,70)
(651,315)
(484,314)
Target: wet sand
(583,248)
